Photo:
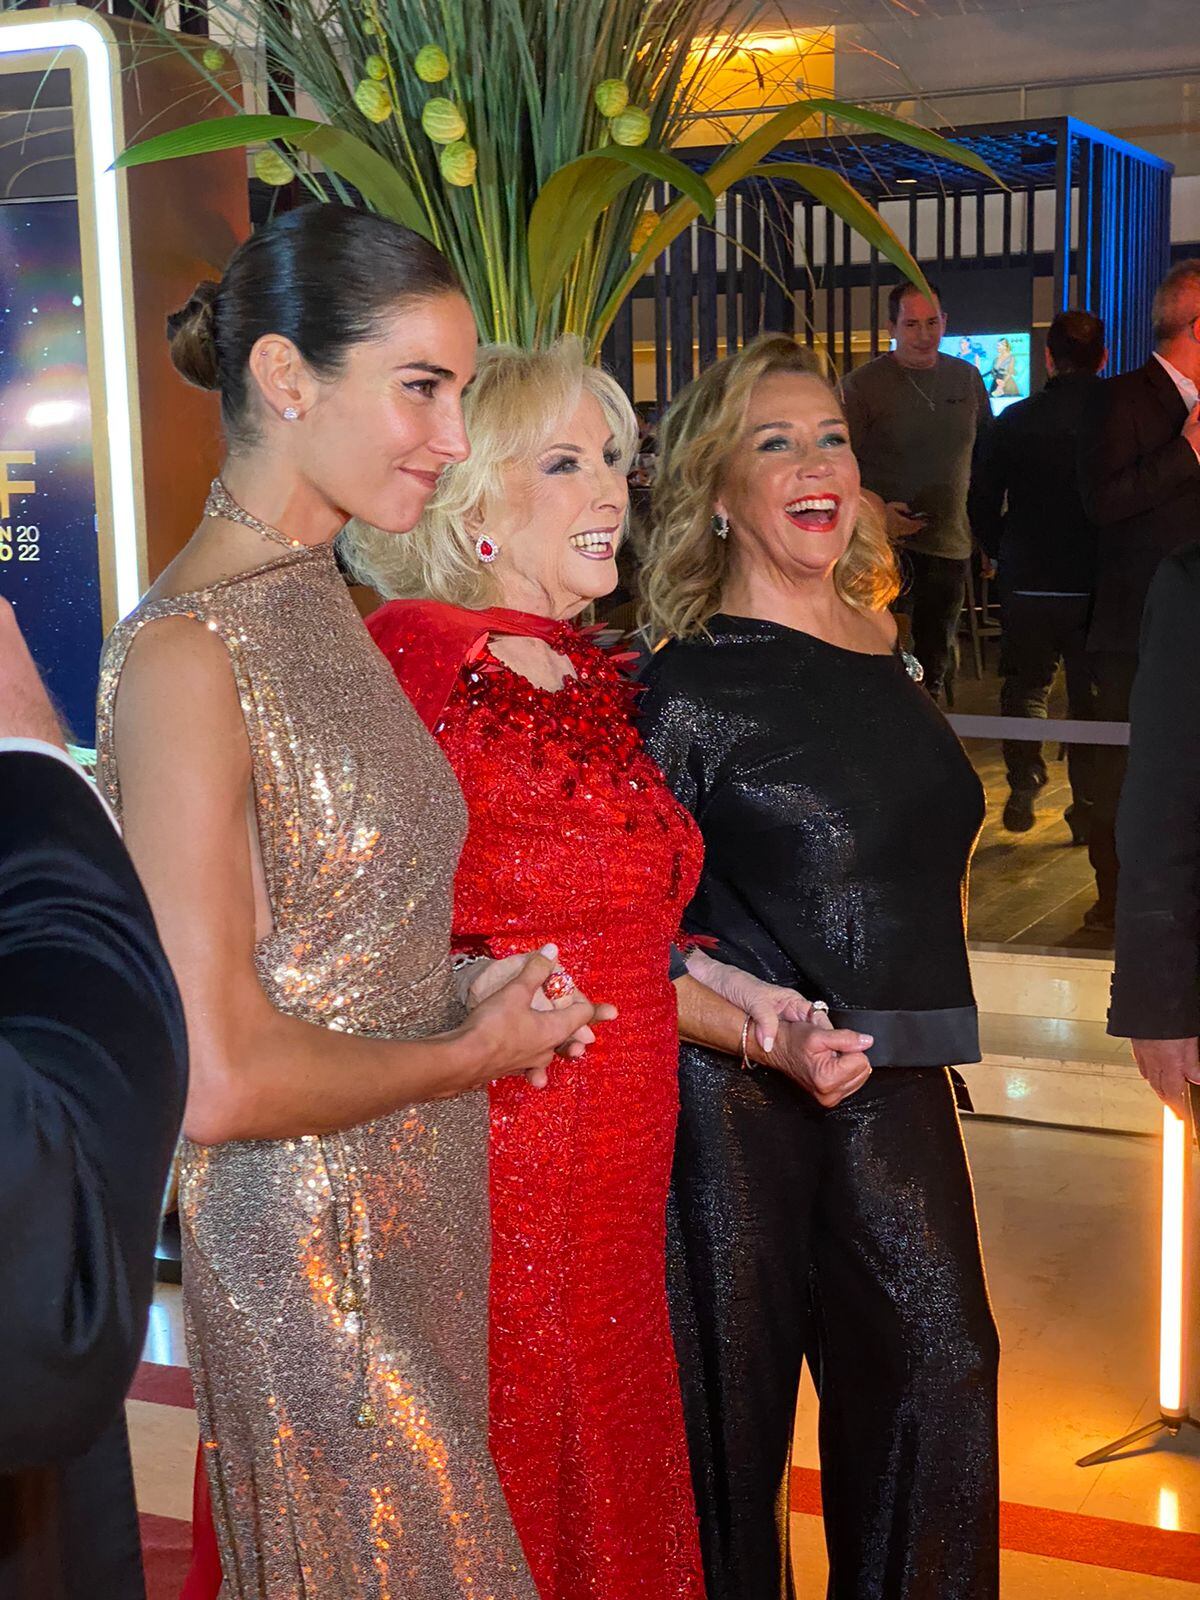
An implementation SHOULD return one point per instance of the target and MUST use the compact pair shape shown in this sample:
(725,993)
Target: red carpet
(1065,1536)
(166,1550)
(163,1386)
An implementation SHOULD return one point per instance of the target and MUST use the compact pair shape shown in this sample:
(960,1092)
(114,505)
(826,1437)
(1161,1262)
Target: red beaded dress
(573,839)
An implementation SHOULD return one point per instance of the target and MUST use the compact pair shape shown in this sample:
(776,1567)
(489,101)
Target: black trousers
(848,1237)
(1040,631)
(1114,671)
(934,590)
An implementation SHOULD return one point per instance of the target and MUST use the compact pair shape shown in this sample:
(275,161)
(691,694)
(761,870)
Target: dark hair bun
(193,337)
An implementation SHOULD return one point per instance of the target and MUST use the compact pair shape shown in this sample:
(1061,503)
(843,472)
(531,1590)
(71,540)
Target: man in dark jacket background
(92,1079)
(1027,512)
(1156,984)
(1141,486)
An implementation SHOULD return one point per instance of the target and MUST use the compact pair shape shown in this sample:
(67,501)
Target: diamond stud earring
(486,549)
(720,525)
(290,414)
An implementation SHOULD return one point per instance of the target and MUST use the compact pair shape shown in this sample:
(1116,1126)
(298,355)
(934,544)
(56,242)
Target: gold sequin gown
(360,823)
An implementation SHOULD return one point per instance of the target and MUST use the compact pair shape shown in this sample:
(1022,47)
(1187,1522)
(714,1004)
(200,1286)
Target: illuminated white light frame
(42,36)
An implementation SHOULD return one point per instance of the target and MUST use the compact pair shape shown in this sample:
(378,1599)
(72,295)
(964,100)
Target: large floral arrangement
(523,137)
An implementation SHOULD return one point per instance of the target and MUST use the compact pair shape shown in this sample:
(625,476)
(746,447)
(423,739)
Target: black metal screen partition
(1082,218)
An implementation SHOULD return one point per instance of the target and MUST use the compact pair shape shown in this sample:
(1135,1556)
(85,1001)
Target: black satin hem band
(947,1038)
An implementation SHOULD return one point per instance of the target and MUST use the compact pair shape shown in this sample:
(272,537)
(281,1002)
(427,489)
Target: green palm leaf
(735,164)
(375,178)
(740,161)
(664,166)
(219,133)
(844,200)
(572,200)
(908,133)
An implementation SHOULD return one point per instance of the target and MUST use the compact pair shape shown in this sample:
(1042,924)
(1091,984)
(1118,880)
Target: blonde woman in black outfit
(839,813)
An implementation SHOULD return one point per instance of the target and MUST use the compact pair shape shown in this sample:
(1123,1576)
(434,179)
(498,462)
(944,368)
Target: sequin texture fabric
(839,813)
(338,1281)
(574,838)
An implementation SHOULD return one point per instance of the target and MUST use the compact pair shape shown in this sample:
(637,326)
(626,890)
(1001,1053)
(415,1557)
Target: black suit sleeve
(92,1079)
(1156,984)
(989,486)
(1119,477)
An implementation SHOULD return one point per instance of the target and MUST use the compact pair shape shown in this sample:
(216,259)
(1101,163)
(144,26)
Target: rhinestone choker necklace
(220,503)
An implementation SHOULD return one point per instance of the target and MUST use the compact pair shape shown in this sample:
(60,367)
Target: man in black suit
(92,1079)
(1156,984)
(1141,485)
(1027,513)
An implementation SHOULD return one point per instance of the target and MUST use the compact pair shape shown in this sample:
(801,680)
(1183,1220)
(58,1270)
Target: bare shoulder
(178,692)
(182,643)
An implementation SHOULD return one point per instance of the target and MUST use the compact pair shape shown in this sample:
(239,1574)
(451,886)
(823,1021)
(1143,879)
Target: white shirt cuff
(39,747)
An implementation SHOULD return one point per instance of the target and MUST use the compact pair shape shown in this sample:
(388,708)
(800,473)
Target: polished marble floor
(1070,1227)
(1029,889)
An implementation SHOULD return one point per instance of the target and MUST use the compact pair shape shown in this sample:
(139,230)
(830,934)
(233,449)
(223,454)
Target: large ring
(818,1005)
(558,985)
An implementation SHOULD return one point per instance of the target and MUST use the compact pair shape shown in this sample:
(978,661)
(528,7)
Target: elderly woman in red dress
(574,839)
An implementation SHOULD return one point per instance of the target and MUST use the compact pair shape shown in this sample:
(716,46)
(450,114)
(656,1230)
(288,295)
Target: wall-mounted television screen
(1002,360)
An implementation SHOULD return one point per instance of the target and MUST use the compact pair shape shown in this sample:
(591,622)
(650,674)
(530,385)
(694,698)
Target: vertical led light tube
(1172,1399)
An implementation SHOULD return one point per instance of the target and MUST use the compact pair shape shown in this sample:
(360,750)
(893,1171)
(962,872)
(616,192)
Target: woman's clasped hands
(796,1036)
(510,997)
(830,1063)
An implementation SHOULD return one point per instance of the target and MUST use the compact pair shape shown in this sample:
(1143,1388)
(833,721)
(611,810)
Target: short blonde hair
(518,400)
(686,565)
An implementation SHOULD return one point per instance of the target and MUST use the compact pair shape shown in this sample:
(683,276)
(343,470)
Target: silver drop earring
(720,525)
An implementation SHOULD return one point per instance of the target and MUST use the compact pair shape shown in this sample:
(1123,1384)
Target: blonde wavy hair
(686,566)
(515,406)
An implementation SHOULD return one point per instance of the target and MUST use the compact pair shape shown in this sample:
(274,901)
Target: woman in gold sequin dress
(297,831)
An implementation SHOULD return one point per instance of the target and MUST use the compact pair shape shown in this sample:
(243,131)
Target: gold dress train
(335,1288)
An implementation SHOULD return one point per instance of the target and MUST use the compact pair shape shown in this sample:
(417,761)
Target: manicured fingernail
(768,1045)
(865,1039)
(550,951)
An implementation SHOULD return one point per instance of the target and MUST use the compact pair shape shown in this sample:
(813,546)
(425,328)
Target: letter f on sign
(14,486)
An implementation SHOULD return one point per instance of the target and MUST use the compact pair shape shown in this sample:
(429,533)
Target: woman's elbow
(219,1108)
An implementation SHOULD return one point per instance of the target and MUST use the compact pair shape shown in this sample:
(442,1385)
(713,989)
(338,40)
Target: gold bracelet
(746,1061)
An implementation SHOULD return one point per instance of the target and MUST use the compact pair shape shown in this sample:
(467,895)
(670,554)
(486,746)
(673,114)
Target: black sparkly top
(839,813)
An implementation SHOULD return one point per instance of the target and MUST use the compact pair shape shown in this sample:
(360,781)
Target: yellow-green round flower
(443,121)
(369,27)
(612,96)
(270,167)
(631,127)
(376,67)
(458,162)
(642,229)
(431,64)
(373,100)
(214,59)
